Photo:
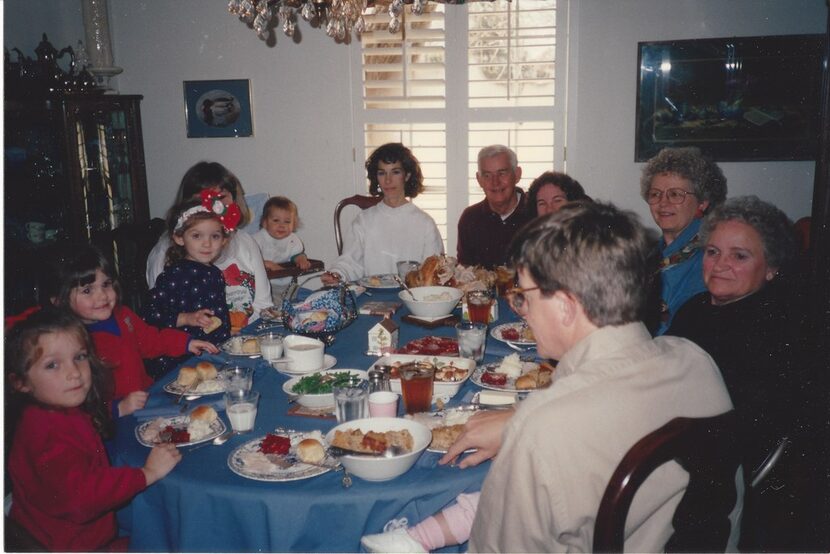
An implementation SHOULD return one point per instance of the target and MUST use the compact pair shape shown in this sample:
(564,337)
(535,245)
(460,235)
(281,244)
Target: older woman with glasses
(680,185)
(747,321)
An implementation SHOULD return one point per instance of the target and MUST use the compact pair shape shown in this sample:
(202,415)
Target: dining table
(202,505)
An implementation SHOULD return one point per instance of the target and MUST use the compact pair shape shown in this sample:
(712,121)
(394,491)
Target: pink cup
(383,404)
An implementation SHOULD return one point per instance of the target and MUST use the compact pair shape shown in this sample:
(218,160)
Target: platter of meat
(431,346)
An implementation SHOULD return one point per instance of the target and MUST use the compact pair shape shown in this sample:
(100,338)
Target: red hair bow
(13,320)
(230,215)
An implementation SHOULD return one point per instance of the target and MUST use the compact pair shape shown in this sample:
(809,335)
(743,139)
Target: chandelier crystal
(338,18)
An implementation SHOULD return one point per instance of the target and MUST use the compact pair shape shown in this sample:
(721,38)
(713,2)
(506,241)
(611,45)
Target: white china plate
(511,382)
(295,472)
(496,333)
(329,362)
(379,282)
(233,346)
(221,382)
(216,428)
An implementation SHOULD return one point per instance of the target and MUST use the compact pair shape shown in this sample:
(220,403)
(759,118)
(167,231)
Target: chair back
(362,202)
(707,449)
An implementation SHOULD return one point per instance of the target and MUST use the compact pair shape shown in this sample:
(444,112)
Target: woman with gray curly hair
(745,321)
(680,185)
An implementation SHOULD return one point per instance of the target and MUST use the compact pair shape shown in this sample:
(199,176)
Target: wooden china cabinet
(74,174)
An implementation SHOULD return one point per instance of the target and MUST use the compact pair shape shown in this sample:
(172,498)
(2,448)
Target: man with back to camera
(485,229)
(581,274)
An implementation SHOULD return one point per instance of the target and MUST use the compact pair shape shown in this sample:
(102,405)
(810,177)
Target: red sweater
(138,340)
(64,489)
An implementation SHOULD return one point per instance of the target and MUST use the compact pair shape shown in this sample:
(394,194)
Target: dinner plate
(329,362)
(216,428)
(379,282)
(233,346)
(511,382)
(497,333)
(210,387)
(266,471)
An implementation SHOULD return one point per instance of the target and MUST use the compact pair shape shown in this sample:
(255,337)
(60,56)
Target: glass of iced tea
(479,303)
(416,386)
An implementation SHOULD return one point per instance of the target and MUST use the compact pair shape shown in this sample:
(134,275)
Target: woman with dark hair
(747,321)
(551,190)
(394,229)
(680,186)
(247,287)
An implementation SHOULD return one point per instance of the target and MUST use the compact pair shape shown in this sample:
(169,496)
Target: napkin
(170,409)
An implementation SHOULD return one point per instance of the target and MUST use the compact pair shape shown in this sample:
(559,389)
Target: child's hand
(132,402)
(272,266)
(161,460)
(199,318)
(302,262)
(200,346)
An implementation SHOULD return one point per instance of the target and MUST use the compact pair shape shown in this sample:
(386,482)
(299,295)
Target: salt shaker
(378,381)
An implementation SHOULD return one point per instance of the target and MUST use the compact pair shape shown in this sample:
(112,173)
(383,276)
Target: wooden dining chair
(707,449)
(362,202)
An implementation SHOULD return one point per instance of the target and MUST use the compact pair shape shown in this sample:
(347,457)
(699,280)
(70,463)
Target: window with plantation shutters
(457,78)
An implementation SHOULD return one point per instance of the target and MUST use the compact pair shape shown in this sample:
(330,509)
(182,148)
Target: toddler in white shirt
(277,241)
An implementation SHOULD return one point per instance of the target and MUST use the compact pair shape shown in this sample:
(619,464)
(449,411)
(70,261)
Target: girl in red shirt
(85,283)
(64,490)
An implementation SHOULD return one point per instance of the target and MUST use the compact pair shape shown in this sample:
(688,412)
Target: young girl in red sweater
(85,283)
(64,490)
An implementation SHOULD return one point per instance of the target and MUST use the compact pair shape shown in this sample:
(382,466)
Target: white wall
(302,94)
(602,89)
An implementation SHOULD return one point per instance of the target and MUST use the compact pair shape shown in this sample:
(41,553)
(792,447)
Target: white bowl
(318,401)
(431,308)
(380,468)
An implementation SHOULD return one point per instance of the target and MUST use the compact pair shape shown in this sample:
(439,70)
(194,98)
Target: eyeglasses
(674,196)
(517,299)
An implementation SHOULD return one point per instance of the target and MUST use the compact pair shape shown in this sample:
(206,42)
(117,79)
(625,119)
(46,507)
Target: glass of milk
(270,345)
(241,406)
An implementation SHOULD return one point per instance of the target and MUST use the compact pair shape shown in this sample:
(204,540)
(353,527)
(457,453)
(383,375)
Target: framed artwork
(737,99)
(220,108)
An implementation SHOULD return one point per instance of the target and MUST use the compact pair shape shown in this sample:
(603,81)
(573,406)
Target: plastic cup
(416,386)
(472,338)
(383,404)
(350,400)
(241,407)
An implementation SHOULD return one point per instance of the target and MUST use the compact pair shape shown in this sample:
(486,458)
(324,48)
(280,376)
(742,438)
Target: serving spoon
(406,288)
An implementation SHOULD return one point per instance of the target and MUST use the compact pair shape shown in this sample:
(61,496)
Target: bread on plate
(204,413)
(188,376)
(206,370)
(311,451)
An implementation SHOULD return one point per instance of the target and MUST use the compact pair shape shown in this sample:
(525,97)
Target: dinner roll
(214,324)
(526,381)
(311,451)
(250,346)
(188,376)
(204,413)
(206,370)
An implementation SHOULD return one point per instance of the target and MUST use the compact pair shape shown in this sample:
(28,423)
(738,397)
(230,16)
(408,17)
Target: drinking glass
(406,266)
(350,399)
(270,345)
(241,407)
(471,340)
(239,377)
(383,404)
(416,386)
(479,303)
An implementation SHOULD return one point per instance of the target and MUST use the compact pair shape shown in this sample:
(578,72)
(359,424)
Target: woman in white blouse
(247,289)
(394,229)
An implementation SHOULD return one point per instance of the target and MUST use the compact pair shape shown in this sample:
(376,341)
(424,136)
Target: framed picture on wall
(737,99)
(219,108)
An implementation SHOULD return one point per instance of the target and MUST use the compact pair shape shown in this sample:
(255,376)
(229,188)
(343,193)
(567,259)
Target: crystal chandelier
(338,17)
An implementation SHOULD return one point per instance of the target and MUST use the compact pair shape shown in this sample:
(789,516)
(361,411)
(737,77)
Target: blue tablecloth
(203,506)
